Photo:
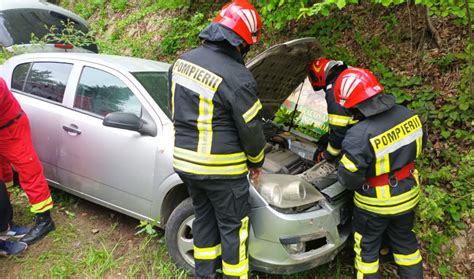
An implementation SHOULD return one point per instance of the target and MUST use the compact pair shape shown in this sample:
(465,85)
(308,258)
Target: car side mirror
(123,120)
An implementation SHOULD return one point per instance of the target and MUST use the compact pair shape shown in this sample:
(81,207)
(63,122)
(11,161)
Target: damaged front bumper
(288,243)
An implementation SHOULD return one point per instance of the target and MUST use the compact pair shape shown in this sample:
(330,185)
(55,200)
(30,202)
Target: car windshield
(17,25)
(156,83)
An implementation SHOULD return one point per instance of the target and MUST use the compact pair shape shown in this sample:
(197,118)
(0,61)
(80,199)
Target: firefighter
(322,76)
(7,247)
(16,148)
(219,138)
(378,164)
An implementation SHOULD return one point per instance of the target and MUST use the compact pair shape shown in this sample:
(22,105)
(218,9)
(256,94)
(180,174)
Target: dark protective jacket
(218,133)
(339,118)
(381,144)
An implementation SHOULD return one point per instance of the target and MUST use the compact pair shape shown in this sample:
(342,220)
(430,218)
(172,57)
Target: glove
(319,156)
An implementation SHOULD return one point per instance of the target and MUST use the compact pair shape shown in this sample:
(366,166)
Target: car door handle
(74,129)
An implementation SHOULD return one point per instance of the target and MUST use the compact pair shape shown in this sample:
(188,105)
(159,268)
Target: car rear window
(16,26)
(45,80)
(156,84)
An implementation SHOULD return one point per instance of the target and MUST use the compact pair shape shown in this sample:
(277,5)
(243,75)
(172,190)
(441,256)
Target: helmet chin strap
(244,49)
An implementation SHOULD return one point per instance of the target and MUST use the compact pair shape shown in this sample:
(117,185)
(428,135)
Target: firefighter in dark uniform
(322,75)
(219,138)
(378,164)
(7,247)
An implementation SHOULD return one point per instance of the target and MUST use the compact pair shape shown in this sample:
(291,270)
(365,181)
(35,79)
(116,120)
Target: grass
(91,241)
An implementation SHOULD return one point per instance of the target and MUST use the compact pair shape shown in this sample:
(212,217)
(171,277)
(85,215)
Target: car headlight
(287,191)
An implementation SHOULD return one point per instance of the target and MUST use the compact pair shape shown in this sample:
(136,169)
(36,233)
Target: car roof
(38,4)
(125,63)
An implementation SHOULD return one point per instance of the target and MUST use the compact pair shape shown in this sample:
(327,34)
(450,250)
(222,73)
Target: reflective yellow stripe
(382,165)
(209,159)
(357,240)
(9,186)
(366,268)
(173,89)
(391,209)
(204,124)
(348,164)
(243,235)
(353,121)
(209,170)
(416,177)
(419,144)
(400,135)
(360,265)
(209,253)
(240,270)
(252,112)
(408,260)
(258,158)
(395,200)
(383,192)
(333,151)
(42,206)
(339,120)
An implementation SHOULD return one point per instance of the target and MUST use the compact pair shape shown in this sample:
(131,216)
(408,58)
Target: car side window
(100,92)
(19,76)
(48,80)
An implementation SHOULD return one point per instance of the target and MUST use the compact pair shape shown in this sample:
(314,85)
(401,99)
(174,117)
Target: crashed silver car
(101,128)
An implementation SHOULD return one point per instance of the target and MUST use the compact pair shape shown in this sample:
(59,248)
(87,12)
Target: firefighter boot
(44,224)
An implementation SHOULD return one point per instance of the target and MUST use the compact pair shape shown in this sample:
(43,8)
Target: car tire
(179,237)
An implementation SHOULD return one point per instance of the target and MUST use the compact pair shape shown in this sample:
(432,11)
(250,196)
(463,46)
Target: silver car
(102,129)
(21,18)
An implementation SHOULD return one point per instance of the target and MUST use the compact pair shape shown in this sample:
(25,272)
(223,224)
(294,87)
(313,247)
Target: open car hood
(281,69)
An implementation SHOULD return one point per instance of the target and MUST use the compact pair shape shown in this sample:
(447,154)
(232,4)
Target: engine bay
(287,153)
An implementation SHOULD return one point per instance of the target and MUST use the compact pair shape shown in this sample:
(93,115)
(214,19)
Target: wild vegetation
(421,50)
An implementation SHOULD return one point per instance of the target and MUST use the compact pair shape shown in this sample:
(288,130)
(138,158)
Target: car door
(41,87)
(113,166)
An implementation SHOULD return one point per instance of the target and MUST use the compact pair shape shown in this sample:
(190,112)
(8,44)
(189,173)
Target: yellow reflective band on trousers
(243,235)
(408,260)
(361,266)
(383,192)
(239,270)
(42,206)
(394,205)
(252,112)
(382,164)
(209,253)
(339,120)
(348,164)
(258,158)
(204,124)
(209,159)
(333,151)
(194,168)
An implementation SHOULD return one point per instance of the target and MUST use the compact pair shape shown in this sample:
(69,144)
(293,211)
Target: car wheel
(179,235)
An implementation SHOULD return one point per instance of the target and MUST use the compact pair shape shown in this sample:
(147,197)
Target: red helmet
(319,70)
(242,18)
(316,73)
(355,85)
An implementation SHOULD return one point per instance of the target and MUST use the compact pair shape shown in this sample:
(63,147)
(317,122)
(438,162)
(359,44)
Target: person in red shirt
(16,149)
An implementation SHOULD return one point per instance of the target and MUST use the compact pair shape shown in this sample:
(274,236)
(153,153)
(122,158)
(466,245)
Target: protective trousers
(16,148)
(6,211)
(368,230)
(220,230)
